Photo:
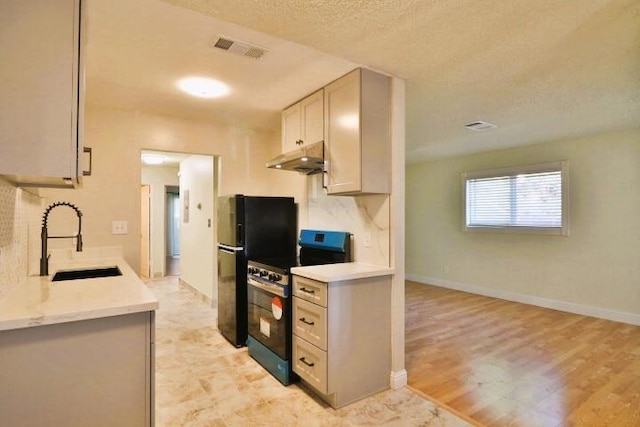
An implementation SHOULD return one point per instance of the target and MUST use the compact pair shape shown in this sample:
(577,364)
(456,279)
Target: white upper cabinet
(41,92)
(357,134)
(303,122)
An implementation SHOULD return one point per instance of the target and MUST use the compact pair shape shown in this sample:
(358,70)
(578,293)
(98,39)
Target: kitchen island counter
(341,271)
(36,300)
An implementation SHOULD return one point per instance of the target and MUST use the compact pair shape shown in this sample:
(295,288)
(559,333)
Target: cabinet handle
(309,291)
(303,360)
(88,150)
(304,320)
(325,175)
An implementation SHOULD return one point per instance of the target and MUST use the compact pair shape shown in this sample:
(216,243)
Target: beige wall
(597,265)
(117,137)
(197,247)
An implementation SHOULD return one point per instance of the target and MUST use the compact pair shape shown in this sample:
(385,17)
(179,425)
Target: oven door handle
(274,289)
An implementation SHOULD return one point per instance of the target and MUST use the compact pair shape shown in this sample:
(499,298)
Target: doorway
(172,215)
(183,190)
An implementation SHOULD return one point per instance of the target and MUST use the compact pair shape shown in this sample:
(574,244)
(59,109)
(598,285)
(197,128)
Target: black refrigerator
(249,227)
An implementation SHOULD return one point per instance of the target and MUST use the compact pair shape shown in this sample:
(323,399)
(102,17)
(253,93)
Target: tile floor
(201,380)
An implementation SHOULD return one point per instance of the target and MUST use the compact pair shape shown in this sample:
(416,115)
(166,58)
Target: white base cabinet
(97,372)
(342,337)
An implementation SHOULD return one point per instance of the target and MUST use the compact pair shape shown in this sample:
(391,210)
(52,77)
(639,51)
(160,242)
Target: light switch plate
(367,239)
(119,227)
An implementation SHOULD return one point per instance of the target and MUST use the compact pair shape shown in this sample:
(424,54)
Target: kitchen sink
(89,273)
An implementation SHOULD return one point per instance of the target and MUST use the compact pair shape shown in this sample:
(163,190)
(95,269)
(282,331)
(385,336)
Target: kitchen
(118,136)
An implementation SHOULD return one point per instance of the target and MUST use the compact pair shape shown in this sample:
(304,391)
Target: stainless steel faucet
(44,258)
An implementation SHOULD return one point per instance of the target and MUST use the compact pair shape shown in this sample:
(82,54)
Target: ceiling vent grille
(238,47)
(480,126)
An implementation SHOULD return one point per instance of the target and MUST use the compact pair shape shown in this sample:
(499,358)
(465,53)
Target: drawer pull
(309,291)
(303,360)
(305,321)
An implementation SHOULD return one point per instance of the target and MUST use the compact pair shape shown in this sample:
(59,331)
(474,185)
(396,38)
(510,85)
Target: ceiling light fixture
(203,87)
(153,159)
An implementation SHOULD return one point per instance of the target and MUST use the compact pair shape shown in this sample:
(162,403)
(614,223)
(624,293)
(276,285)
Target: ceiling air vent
(480,126)
(238,47)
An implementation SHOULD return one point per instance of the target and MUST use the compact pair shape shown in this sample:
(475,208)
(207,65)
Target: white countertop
(341,271)
(38,301)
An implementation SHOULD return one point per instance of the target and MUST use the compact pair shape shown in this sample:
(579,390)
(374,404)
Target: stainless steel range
(270,302)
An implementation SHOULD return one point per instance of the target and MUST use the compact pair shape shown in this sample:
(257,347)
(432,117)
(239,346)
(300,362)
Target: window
(530,199)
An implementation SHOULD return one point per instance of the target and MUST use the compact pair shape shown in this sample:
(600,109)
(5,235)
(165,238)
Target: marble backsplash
(367,218)
(17,209)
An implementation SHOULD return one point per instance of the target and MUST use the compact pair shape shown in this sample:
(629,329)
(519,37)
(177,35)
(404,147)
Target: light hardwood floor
(508,364)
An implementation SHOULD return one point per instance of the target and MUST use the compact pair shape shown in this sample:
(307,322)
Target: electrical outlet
(119,227)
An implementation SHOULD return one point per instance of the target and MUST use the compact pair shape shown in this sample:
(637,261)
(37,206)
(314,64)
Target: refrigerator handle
(240,236)
(230,249)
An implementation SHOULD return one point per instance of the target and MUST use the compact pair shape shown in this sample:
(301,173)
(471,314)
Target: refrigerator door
(270,227)
(231,307)
(230,220)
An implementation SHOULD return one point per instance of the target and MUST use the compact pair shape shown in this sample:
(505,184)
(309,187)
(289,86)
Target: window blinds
(515,200)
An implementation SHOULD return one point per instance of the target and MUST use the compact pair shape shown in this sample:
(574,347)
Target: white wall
(365,217)
(596,266)
(157,177)
(113,192)
(197,246)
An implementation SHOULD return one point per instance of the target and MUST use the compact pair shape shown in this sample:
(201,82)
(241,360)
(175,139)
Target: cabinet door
(310,322)
(342,131)
(94,372)
(310,290)
(291,128)
(39,86)
(310,363)
(312,118)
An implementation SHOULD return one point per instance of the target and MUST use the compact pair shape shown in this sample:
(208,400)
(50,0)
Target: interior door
(145,227)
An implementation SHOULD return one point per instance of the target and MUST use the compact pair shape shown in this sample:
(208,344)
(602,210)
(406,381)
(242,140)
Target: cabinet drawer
(310,290)
(310,322)
(310,363)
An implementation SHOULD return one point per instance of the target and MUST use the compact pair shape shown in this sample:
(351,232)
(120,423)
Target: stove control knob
(263,273)
(252,270)
(275,277)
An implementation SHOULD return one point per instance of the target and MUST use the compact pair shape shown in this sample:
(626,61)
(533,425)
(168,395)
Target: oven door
(269,316)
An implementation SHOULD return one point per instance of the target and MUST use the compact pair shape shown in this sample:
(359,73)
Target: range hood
(308,159)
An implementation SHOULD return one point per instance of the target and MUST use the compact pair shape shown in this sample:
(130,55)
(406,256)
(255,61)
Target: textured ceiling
(541,70)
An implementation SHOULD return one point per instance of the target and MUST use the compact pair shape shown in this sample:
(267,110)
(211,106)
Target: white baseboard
(585,310)
(398,379)
(204,298)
